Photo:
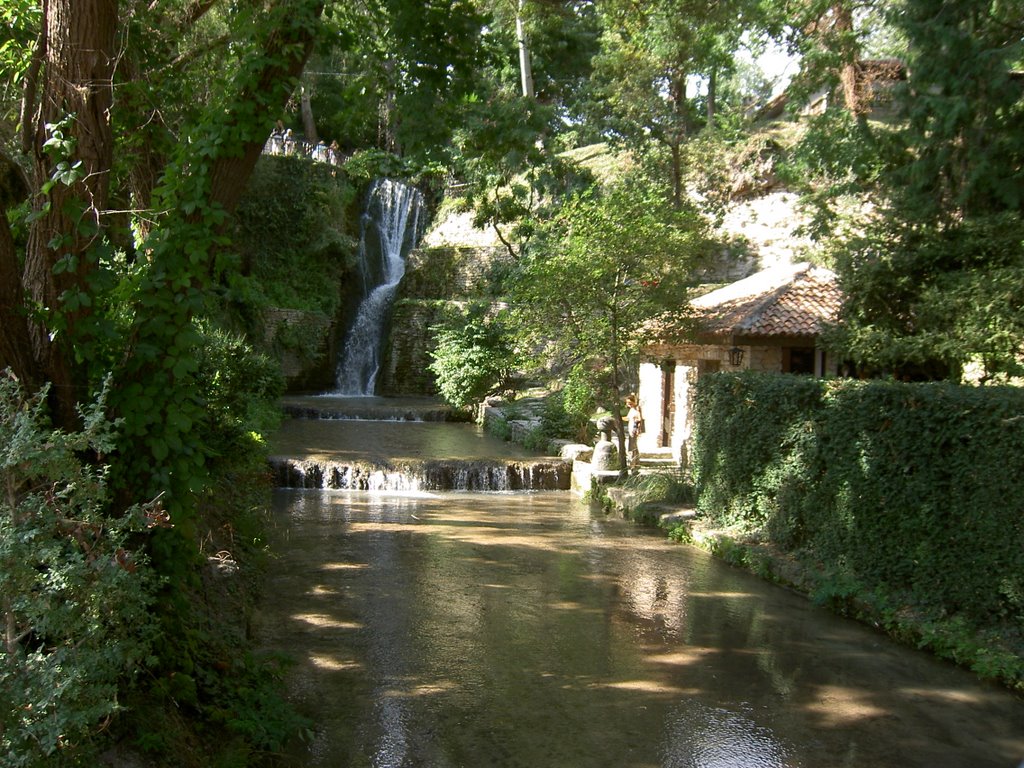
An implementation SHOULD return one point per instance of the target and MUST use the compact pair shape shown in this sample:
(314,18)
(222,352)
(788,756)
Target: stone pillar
(686,377)
(651,396)
(606,454)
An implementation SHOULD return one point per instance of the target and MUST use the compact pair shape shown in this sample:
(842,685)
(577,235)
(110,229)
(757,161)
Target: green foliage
(732,161)
(661,487)
(932,280)
(579,399)
(838,160)
(294,228)
(239,698)
(393,74)
(560,420)
(472,356)
(508,168)
(75,589)
(248,703)
(187,260)
(239,387)
(648,52)
(738,454)
(608,262)
(964,109)
(499,428)
(897,487)
(652,494)
(20,22)
(182,394)
(930,302)
(369,164)
(562,37)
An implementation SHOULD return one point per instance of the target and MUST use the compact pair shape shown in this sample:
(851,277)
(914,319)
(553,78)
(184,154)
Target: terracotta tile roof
(794,300)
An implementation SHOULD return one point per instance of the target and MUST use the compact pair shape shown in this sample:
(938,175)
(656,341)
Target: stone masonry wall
(450,271)
(406,356)
(300,340)
(435,279)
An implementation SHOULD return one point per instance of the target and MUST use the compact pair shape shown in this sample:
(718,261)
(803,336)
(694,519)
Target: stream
(436,625)
(500,629)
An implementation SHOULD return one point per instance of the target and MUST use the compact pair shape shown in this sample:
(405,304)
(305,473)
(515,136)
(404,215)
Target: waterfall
(389,229)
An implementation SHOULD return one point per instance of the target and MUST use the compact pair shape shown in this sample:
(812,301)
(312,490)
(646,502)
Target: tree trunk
(76,92)
(842,28)
(712,94)
(308,123)
(15,342)
(677,134)
(677,175)
(286,53)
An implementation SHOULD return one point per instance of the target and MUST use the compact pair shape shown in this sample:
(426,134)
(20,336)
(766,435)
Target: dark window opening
(798,360)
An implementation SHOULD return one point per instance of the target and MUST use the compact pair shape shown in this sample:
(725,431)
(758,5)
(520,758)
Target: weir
(450,475)
(401,444)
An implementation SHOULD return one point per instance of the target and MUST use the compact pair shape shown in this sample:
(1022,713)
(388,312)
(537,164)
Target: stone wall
(406,354)
(301,342)
(451,272)
(765,359)
(435,279)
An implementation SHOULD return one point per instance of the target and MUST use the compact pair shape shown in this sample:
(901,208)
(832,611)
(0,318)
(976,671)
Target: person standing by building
(634,428)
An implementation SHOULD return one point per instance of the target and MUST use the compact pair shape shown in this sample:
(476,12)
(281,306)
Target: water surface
(527,630)
(389,441)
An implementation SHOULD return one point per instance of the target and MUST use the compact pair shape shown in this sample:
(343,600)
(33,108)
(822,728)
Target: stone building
(770,321)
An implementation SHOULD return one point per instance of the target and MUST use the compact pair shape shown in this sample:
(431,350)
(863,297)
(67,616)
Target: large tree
(935,282)
(653,59)
(393,75)
(506,148)
(67,119)
(138,125)
(608,262)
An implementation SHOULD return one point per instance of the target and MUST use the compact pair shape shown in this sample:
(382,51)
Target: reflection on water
(389,441)
(698,736)
(526,630)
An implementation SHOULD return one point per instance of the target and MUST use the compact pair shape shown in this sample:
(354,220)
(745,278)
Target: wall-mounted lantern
(736,357)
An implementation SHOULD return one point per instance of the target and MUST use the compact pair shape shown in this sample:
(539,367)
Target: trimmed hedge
(907,496)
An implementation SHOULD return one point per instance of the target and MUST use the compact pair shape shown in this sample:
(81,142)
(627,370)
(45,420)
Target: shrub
(578,402)
(901,488)
(75,592)
(239,388)
(472,357)
(297,235)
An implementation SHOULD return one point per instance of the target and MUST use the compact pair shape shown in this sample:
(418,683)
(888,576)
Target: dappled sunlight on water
(461,629)
(392,441)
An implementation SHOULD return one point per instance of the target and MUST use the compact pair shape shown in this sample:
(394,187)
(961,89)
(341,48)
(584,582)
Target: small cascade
(389,230)
(446,475)
(371,444)
(399,444)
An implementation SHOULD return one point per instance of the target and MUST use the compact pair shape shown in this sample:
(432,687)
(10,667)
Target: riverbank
(994,656)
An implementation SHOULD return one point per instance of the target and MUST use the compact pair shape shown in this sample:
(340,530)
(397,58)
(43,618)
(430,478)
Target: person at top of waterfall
(277,139)
(634,427)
